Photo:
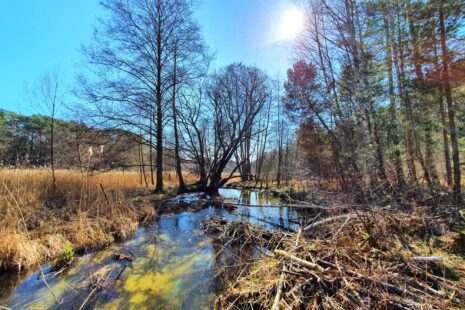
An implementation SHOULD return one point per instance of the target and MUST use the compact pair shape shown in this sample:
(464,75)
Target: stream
(174,264)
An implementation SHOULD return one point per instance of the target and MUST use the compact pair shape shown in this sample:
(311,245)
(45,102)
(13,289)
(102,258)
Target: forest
(160,180)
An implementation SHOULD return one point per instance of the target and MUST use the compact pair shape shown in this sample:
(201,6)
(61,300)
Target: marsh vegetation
(157,180)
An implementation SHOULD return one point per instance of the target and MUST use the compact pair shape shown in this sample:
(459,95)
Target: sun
(292,22)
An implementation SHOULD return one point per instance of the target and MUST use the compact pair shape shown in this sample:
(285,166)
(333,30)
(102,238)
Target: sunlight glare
(291,24)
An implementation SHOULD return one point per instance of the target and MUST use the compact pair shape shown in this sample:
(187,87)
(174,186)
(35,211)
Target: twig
(340,228)
(95,289)
(299,232)
(280,206)
(121,272)
(104,194)
(279,291)
(88,297)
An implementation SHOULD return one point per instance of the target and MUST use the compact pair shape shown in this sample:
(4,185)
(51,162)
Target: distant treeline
(25,142)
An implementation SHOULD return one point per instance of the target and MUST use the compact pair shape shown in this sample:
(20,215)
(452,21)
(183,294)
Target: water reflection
(247,197)
(175,270)
(268,212)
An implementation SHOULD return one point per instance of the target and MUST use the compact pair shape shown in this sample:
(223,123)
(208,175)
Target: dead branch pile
(234,233)
(380,259)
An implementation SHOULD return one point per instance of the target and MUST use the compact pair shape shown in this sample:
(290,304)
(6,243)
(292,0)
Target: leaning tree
(236,96)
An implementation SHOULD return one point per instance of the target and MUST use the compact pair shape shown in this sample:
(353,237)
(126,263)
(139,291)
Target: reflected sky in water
(289,219)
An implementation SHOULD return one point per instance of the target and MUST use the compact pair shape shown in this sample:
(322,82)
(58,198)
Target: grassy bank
(40,223)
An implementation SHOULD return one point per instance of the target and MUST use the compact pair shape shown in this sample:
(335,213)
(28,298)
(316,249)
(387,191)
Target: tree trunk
(450,107)
(142,163)
(262,148)
(280,156)
(393,130)
(445,137)
(442,113)
(159,163)
(361,63)
(52,155)
(201,161)
(182,185)
(407,109)
(427,162)
(152,180)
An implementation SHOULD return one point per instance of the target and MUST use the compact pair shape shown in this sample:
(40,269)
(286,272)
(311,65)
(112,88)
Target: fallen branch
(427,259)
(279,292)
(329,220)
(299,260)
(329,266)
(280,206)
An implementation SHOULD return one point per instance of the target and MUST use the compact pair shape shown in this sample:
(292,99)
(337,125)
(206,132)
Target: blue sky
(45,35)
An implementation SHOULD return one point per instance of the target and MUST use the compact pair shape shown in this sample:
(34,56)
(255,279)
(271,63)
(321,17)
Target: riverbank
(39,223)
(372,258)
(345,255)
(169,264)
(351,256)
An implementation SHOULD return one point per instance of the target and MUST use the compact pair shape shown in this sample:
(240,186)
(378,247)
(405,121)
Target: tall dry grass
(36,220)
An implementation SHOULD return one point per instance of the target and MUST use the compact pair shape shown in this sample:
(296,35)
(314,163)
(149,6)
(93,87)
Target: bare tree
(237,95)
(130,65)
(192,115)
(48,93)
(190,62)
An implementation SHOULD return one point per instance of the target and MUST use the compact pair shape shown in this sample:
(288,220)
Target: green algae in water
(166,287)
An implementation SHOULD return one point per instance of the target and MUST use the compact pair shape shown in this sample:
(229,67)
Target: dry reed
(87,210)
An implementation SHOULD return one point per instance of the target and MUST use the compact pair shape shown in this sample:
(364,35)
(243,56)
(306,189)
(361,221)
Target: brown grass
(36,220)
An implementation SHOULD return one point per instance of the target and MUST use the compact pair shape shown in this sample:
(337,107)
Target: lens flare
(292,23)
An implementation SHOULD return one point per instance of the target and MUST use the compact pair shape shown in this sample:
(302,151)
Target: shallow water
(272,213)
(173,267)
